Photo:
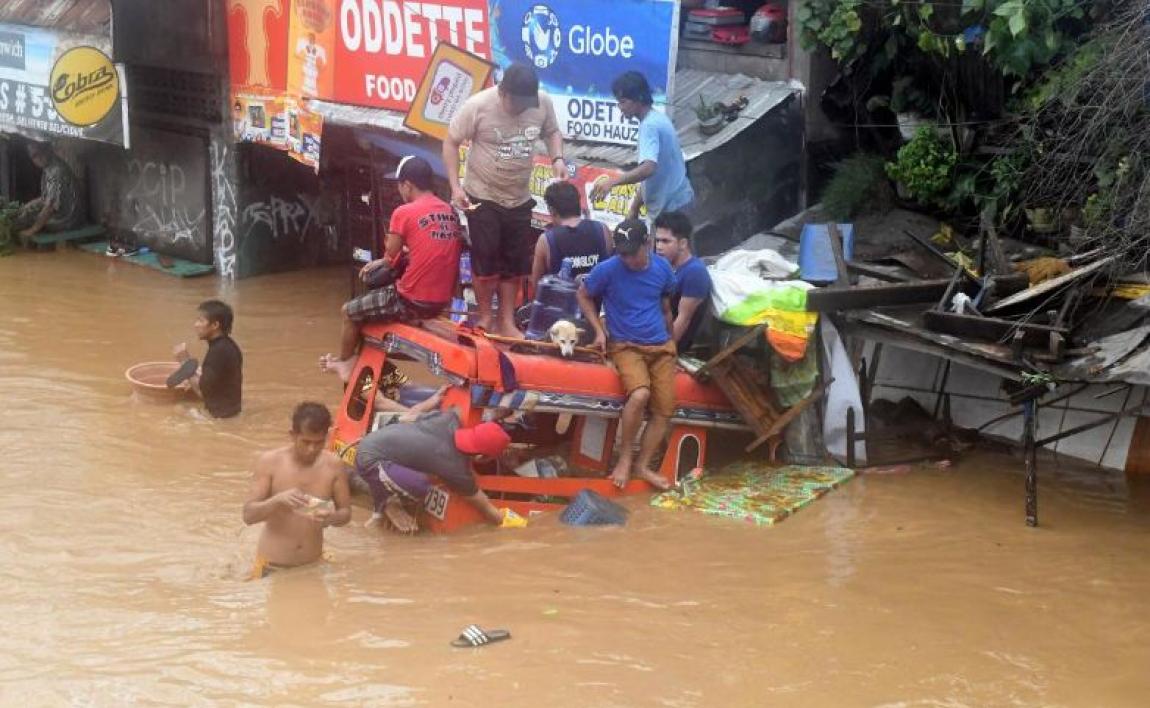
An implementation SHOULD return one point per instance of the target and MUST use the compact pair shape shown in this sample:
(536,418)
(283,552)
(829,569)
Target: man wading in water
(297,490)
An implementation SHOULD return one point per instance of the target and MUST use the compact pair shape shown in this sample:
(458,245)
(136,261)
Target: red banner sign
(383,47)
(362,52)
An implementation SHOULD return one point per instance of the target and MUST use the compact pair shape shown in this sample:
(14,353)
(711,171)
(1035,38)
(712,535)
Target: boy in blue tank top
(584,241)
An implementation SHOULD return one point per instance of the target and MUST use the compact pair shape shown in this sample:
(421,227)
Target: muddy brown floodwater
(121,545)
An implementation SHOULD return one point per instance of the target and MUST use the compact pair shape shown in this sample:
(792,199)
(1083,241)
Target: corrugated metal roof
(78,16)
(360,117)
(690,84)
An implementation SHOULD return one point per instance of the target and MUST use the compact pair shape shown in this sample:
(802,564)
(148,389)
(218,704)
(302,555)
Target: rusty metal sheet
(77,16)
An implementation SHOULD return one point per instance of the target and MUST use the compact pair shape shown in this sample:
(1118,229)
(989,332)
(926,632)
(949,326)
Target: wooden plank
(83,233)
(177,267)
(877,273)
(989,328)
(1138,453)
(862,297)
(785,419)
(932,249)
(836,239)
(540,345)
(1050,285)
(733,347)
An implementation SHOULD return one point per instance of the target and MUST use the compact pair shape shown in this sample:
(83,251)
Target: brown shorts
(651,367)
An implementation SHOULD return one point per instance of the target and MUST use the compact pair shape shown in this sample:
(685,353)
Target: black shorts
(502,239)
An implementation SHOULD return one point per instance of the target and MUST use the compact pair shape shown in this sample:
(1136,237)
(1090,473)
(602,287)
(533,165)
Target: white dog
(566,335)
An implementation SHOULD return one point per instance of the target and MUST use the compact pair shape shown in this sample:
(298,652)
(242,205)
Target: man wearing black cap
(636,288)
(502,124)
(416,276)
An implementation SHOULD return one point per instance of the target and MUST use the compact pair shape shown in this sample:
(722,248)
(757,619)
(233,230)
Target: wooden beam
(836,239)
(862,297)
(1050,285)
(877,273)
(743,340)
(989,329)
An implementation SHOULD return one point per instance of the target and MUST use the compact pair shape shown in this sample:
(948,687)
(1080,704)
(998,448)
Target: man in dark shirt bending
(220,379)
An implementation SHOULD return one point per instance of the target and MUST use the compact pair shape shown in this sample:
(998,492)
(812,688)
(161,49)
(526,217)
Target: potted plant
(710,115)
(924,168)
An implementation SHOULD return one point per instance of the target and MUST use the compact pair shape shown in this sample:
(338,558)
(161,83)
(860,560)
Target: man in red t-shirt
(422,250)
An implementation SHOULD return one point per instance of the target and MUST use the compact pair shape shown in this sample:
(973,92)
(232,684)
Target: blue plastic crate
(589,508)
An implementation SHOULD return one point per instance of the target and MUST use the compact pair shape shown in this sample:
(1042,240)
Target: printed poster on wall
(58,84)
(611,209)
(277,61)
(278,121)
(578,47)
(452,77)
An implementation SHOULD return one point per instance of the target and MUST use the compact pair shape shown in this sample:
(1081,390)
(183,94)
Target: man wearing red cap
(401,462)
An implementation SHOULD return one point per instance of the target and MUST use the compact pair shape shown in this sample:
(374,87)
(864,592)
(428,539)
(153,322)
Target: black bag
(385,275)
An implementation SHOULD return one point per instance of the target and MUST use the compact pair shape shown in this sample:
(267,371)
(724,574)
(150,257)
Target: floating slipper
(473,636)
(186,371)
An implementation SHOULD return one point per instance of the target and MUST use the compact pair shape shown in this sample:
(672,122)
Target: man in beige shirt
(502,124)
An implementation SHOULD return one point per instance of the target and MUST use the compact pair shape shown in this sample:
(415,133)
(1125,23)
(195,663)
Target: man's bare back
(281,488)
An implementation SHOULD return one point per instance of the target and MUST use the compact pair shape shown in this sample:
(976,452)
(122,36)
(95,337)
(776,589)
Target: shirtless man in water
(297,490)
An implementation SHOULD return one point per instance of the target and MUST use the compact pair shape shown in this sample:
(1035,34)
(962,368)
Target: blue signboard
(578,47)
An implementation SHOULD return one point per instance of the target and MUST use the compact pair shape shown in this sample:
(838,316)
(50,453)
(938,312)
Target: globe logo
(541,36)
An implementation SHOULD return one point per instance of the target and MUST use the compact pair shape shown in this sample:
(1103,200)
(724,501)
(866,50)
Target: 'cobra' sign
(85,86)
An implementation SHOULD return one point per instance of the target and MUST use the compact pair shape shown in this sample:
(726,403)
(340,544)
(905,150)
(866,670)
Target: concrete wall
(279,221)
(157,191)
(750,183)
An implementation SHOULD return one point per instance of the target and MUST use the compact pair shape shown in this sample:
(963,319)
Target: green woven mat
(754,492)
(180,268)
(52,238)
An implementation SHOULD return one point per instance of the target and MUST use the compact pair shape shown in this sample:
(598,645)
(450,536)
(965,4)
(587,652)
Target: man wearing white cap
(416,276)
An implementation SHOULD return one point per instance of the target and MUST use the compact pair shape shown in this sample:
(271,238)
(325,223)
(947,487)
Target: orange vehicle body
(483,375)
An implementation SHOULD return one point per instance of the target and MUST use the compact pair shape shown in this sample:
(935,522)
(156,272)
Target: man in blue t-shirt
(661,168)
(636,288)
(692,281)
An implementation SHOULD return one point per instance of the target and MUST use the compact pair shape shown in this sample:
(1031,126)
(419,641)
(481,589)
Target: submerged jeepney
(571,409)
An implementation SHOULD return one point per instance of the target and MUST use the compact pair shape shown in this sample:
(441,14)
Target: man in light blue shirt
(661,169)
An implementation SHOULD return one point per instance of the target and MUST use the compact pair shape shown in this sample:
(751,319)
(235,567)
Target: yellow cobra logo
(85,86)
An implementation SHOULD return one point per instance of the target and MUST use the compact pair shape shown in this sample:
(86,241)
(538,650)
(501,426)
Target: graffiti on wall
(225,209)
(283,219)
(160,204)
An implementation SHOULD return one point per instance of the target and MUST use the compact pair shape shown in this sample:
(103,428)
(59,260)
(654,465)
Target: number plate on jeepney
(436,502)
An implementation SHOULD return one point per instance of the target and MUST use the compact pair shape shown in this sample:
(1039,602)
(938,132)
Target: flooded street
(122,549)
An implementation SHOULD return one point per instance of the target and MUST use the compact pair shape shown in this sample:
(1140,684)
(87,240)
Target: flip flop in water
(186,371)
(473,636)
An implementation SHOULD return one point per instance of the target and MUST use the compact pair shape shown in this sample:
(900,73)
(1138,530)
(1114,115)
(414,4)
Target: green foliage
(859,186)
(831,23)
(8,211)
(1023,35)
(925,167)
(1020,35)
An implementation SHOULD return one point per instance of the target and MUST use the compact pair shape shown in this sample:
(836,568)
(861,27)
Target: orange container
(148,381)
